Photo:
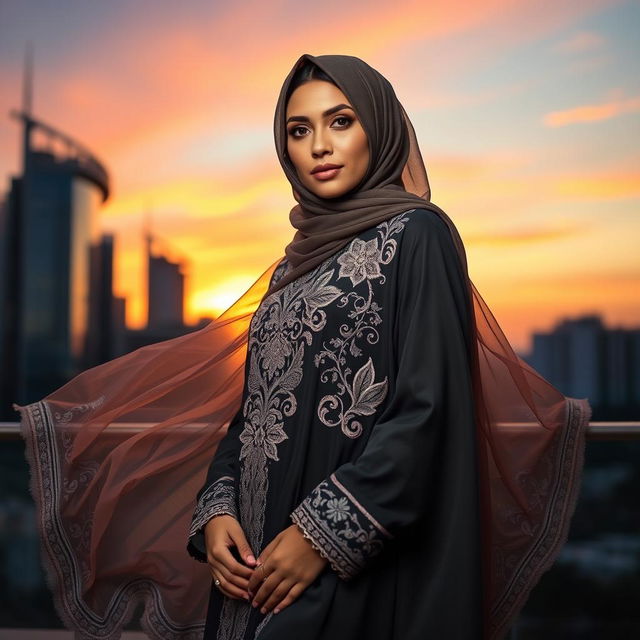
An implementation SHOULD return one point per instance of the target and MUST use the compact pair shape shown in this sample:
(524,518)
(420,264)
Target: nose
(320,144)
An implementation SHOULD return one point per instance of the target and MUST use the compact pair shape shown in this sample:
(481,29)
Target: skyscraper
(165,290)
(48,225)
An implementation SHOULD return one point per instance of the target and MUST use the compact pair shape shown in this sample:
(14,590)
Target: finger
(240,541)
(260,571)
(231,567)
(292,596)
(272,581)
(257,577)
(268,550)
(278,594)
(228,588)
(255,581)
(224,572)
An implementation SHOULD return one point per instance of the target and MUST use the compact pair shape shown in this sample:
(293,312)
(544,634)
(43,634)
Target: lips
(326,172)
(325,167)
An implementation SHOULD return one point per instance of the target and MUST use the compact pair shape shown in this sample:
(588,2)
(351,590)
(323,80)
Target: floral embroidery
(361,262)
(281,329)
(66,416)
(286,317)
(218,498)
(339,527)
(337,509)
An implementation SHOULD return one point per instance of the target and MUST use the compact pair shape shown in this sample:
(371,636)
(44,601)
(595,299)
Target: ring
(265,577)
(216,582)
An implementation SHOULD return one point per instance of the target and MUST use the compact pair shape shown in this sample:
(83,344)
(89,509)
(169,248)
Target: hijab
(395,180)
(118,454)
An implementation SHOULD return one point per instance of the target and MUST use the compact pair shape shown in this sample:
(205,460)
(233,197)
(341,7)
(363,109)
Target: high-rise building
(583,358)
(106,330)
(165,294)
(49,223)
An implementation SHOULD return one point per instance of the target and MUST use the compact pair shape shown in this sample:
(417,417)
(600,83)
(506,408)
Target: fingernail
(250,558)
(263,610)
(254,604)
(276,611)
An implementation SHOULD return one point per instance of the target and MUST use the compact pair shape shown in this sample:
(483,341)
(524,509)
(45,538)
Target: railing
(595,431)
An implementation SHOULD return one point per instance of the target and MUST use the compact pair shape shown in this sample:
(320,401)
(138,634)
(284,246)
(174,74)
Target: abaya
(433,468)
(357,425)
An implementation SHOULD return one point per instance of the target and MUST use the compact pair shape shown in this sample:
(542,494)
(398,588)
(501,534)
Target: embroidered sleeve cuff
(339,527)
(217,499)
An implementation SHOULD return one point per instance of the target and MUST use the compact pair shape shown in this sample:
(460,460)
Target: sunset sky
(527,113)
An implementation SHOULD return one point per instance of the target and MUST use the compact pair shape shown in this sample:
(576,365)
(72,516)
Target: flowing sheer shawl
(118,454)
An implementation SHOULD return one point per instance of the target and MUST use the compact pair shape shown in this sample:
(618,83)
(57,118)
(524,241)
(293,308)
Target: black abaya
(357,424)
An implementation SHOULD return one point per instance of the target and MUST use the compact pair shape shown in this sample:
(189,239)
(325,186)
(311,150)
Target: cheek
(291,152)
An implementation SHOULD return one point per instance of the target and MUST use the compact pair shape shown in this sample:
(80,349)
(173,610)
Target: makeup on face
(329,151)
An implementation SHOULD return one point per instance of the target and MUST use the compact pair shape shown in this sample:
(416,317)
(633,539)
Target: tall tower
(165,288)
(48,225)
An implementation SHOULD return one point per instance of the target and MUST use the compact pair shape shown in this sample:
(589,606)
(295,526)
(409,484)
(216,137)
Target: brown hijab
(118,454)
(395,181)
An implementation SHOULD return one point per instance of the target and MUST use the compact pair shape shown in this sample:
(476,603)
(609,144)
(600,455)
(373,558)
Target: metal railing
(596,431)
(618,430)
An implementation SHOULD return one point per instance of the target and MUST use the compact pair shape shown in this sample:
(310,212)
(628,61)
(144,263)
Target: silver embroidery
(339,527)
(281,328)
(217,499)
(42,430)
(262,624)
(361,262)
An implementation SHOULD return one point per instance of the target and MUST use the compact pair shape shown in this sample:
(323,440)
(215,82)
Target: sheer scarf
(118,453)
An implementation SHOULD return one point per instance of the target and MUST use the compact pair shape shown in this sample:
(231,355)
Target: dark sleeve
(218,494)
(352,514)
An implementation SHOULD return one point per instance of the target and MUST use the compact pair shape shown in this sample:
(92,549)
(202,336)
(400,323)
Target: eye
(346,119)
(292,131)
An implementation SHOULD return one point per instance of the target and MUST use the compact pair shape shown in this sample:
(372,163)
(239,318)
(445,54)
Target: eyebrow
(326,113)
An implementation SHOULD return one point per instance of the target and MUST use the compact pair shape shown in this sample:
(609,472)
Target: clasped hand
(282,571)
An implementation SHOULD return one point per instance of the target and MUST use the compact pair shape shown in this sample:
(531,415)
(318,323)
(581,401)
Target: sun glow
(216,299)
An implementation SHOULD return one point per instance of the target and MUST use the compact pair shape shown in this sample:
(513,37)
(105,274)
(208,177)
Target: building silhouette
(107,330)
(48,224)
(165,297)
(583,358)
(165,290)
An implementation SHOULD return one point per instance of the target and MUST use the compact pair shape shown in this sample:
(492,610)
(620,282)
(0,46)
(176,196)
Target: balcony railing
(595,431)
(10,431)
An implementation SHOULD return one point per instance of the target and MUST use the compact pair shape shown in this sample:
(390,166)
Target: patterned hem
(217,499)
(568,463)
(339,527)
(43,447)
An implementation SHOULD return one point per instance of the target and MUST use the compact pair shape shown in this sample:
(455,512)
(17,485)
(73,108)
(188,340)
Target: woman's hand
(221,533)
(290,564)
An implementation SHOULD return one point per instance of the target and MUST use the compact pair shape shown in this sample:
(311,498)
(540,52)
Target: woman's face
(322,128)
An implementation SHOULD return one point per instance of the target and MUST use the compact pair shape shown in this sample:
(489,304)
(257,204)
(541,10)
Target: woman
(357,421)
(371,482)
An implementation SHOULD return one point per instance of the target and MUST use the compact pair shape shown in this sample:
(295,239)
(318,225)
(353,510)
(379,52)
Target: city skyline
(530,139)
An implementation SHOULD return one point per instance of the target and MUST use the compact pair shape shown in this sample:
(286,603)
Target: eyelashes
(349,121)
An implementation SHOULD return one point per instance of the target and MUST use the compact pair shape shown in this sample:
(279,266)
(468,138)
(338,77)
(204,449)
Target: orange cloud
(522,236)
(592,113)
(162,106)
(600,186)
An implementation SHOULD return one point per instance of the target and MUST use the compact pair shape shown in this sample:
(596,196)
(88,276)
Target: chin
(329,191)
